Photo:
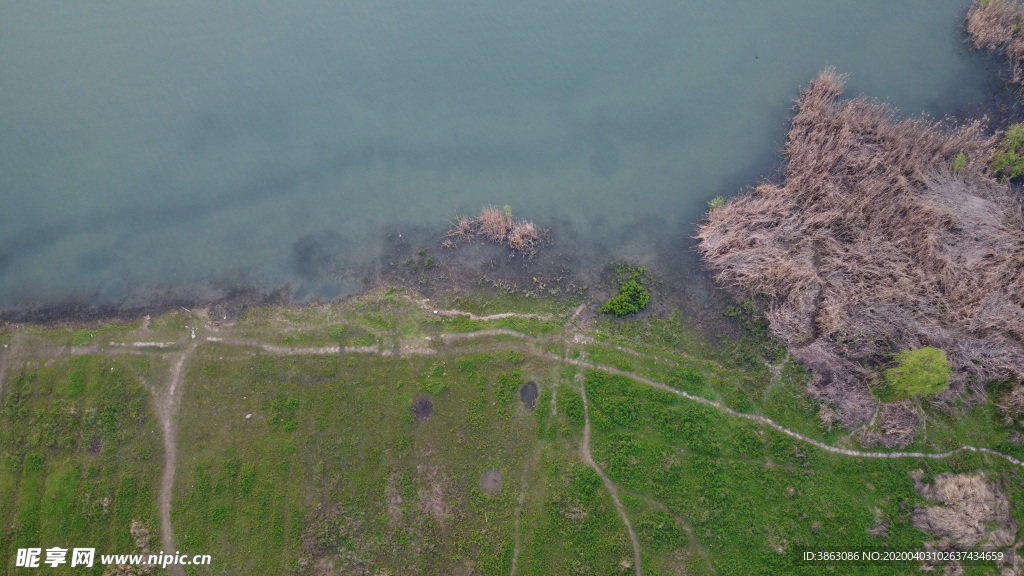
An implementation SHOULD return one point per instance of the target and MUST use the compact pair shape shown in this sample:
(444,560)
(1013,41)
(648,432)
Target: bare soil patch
(422,408)
(491,482)
(528,395)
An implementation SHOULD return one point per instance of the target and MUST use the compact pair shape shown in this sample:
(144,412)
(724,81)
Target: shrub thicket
(872,245)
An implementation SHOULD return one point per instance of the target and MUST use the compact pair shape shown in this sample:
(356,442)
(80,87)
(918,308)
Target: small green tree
(1008,161)
(920,371)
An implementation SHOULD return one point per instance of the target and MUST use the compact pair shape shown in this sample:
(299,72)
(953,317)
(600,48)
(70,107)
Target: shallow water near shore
(181,150)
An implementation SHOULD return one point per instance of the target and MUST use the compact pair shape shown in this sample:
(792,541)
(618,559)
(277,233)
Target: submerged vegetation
(872,245)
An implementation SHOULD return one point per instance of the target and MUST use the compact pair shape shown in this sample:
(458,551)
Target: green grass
(332,448)
(333,473)
(754,497)
(78,441)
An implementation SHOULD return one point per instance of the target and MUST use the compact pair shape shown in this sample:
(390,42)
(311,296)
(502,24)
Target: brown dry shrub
(463,229)
(897,424)
(494,224)
(1012,403)
(523,237)
(871,245)
(969,512)
(997,25)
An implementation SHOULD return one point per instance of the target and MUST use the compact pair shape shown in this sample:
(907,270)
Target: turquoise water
(184,146)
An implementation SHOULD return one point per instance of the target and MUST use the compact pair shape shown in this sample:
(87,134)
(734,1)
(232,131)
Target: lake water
(185,146)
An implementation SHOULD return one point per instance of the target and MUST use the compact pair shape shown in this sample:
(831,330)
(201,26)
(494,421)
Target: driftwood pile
(876,241)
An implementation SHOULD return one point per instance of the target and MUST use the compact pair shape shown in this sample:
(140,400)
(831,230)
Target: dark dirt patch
(422,408)
(490,482)
(528,395)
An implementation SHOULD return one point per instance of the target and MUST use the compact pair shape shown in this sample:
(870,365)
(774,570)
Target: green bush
(716,203)
(1008,161)
(959,163)
(632,298)
(920,371)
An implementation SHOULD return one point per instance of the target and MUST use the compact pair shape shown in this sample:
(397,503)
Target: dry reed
(463,229)
(997,25)
(523,237)
(871,245)
(494,223)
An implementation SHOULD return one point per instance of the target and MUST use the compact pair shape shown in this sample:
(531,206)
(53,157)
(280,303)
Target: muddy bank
(225,309)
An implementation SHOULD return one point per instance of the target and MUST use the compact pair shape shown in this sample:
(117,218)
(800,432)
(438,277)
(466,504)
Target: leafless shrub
(523,237)
(871,245)
(463,229)
(898,424)
(826,416)
(997,25)
(494,223)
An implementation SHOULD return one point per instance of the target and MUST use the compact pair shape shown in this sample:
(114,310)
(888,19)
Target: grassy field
(80,458)
(364,438)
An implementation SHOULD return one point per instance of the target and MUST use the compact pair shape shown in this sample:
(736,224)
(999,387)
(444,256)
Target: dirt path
(515,541)
(441,312)
(457,336)
(575,314)
(776,376)
(779,427)
(682,522)
(608,484)
(165,413)
(3,370)
(523,483)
